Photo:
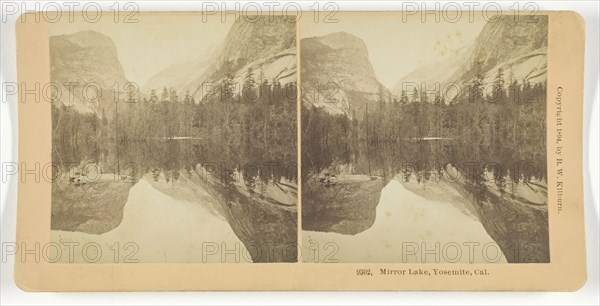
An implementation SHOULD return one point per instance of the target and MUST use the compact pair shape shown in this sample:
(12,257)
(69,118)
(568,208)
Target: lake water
(432,191)
(250,190)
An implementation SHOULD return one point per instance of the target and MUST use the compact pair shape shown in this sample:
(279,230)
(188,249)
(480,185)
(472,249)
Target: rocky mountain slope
(337,75)
(518,48)
(86,58)
(439,72)
(267,46)
(181,75)
(507,42)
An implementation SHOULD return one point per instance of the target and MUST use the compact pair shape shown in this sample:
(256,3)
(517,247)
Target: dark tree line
(502,125)
(253,124)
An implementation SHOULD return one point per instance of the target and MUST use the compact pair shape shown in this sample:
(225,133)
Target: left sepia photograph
(174,139)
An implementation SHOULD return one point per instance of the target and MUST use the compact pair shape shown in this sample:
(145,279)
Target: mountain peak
(249,41)
(89,38)
(343,40)
(516,47)
(338,74)
(342,35)
(85,57)
(266,45)
(505,38)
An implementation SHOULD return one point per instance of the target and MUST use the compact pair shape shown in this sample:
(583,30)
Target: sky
(396,46)
(155,41)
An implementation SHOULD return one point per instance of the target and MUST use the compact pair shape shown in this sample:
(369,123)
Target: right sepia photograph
(424,140)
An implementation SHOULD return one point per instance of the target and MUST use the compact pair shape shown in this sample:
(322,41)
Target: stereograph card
(369,151)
